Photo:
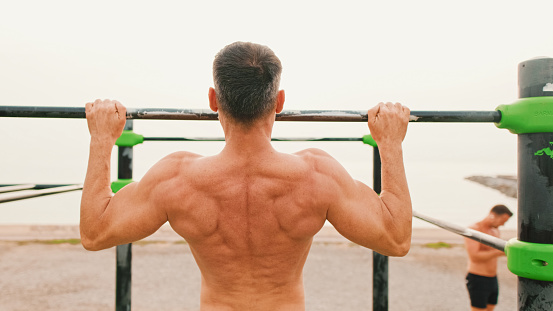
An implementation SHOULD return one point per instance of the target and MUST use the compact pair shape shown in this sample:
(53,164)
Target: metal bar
(380,262)
(47,186)
(11,188)
(290,115)
(535,183)
(27,194)
(272,139)
(466,232)
(123,276)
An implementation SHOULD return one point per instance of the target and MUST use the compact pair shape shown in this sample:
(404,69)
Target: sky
(428,55)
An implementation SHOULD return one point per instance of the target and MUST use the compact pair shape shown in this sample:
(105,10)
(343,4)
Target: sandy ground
(338,274)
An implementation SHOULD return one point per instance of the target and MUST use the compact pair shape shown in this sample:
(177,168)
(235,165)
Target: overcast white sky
(336,54)
(428,55)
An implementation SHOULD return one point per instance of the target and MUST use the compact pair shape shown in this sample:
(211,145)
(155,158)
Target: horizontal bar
(272,139)
(27,194)
(290,115)
(466,232)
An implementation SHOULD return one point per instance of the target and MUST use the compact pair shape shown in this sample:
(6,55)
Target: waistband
(481,276)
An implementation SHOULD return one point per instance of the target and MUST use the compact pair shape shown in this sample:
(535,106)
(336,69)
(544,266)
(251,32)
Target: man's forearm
(395,191)
(96,190)
(486,255)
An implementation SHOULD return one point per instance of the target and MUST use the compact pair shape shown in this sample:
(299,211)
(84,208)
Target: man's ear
(213,104)
(280,101)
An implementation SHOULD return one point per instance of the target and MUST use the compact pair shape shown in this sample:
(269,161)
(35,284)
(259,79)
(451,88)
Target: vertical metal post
(535,183)
(380,262)
(124,252)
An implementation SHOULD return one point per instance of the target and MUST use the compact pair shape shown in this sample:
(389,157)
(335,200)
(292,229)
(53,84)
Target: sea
(438,158)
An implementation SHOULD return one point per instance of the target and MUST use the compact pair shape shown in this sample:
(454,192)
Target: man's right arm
(382,223)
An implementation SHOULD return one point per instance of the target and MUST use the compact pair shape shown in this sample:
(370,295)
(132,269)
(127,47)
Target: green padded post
(368,140)
(129,139)
(120,183)
(527,115)
(530,260)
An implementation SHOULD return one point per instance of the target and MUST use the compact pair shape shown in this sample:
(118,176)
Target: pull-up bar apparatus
(530,117)
(290,115)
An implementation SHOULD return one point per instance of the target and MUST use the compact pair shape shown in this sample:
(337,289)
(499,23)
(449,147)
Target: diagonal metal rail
(290,115)
(466,232)
(16,187)
(15,195)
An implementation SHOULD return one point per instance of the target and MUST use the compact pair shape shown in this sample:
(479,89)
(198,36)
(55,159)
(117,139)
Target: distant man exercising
(481,279)
(249,213)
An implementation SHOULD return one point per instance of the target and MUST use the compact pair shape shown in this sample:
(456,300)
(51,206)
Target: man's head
(247,78)
(499,215)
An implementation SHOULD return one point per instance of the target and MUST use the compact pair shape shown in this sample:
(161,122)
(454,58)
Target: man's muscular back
(249,221)
(249,213)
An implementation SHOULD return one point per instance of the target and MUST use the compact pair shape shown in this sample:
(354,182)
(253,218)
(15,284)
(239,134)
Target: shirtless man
(482,266)
(249,213)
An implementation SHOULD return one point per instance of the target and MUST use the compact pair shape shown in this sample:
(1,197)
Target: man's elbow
(91,244)
(394,248)
(400,246)
(402,249)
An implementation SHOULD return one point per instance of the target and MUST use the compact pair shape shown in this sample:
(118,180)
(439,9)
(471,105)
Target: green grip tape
(530,260)
(527,115)
(129,139)
(369,140)
(120,183)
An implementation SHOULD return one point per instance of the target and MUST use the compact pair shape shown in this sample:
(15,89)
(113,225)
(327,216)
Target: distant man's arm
(477,254)
(382,223)
(107,220)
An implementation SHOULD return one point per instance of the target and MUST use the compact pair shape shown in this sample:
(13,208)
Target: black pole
(124,252)
(535,183)
(290,115)
(380,262)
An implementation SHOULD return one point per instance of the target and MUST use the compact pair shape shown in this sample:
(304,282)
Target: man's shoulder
(314,154)
(322,162)
(181,157)
(171,164)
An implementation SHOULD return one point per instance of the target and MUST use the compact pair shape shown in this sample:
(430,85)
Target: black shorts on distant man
(483,290)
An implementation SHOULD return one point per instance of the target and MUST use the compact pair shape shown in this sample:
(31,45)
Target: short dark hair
(501,209)
(247,78)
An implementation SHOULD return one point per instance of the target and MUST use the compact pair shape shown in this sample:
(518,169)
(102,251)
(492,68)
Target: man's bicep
(132,214)
(354,209)
(357,215)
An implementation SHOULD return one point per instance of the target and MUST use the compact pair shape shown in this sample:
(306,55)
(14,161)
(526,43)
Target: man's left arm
(107,220)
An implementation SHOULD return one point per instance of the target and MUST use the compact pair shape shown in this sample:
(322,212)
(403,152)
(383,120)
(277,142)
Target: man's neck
(252,139)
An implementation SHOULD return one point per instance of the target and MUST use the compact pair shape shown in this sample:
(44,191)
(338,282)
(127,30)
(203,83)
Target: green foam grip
(129,139)
(369,140)
(120,183)
(527,115)
(530,260)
